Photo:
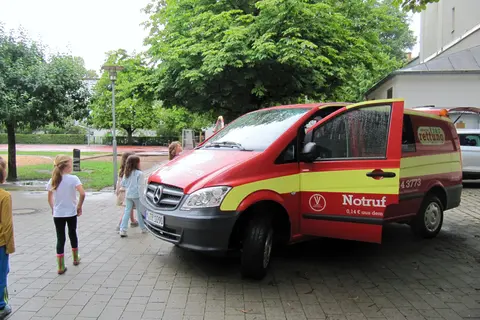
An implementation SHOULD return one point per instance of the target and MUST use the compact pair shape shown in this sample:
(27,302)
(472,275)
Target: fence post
(76,160)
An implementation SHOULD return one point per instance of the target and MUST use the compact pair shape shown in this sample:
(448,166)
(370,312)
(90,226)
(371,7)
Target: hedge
(46,138)
(142,141)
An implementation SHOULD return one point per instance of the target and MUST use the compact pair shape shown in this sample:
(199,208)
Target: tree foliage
(414,5)
(36,89)
(173,120)
(237,56)
(133,105)
(91,74)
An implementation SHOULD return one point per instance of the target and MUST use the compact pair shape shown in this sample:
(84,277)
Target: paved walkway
(140,277)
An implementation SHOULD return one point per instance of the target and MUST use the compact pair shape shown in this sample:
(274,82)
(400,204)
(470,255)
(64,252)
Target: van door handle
(381,174)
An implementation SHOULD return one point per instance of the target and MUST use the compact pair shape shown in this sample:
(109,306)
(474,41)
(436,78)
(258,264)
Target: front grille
(163,196)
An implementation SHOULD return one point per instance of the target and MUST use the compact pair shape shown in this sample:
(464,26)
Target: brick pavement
(140,277)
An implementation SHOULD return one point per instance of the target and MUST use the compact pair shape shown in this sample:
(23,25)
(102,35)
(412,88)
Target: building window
(390,93)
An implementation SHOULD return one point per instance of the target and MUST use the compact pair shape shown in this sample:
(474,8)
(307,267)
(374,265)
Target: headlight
(206,198)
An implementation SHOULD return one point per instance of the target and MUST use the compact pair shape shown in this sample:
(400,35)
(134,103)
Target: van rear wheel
(257,247)
(429,220)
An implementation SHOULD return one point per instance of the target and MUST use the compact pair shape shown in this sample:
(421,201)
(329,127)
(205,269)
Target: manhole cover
(24,211)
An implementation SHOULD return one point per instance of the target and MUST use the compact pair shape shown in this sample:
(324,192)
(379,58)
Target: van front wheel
(257,247)
(429,220)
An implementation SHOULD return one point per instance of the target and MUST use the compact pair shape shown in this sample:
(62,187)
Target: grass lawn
(53,153)
(95,175)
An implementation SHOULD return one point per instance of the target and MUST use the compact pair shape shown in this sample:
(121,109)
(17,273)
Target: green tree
(133,107)
(91,74)
(414,5)
(173,120)
(36,90)
(238,56)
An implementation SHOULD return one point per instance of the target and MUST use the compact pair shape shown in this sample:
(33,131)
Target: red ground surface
(91,148)
(146,162)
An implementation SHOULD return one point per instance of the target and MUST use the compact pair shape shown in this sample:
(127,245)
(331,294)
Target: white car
(470,146)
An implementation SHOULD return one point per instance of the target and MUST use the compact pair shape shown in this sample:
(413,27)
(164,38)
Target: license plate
(155,218)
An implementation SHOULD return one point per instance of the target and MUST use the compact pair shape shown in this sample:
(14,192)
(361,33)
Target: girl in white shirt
(62,198)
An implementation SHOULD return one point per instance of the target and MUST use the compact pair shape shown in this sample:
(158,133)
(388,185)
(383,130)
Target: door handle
(381,174)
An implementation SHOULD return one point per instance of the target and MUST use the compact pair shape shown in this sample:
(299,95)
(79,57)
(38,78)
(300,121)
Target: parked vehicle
(470,146)
(284,174)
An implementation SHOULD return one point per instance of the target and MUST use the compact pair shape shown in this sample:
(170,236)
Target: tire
(429,219)
(257,247)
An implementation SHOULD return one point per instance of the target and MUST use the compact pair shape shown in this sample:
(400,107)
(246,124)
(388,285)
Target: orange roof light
(443,113)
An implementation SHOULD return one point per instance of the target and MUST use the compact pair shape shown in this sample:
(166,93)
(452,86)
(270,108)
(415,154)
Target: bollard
(76,160)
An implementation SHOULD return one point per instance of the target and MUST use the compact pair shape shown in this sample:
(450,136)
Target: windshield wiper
(229,144)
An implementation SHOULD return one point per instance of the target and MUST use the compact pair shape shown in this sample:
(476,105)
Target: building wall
(471,41)
(446,21)
(382,91)
(441,90)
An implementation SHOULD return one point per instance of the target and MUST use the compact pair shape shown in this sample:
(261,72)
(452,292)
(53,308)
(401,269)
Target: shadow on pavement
(296,261)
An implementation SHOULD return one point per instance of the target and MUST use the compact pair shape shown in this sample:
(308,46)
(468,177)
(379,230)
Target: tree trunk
(129,136)
(12,152)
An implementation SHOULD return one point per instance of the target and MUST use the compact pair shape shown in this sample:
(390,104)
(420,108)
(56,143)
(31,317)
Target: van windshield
(256,131)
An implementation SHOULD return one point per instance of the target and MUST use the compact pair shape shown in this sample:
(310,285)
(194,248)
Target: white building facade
(447,72)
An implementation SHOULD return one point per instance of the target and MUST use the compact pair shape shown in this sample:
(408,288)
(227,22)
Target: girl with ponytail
(62,198)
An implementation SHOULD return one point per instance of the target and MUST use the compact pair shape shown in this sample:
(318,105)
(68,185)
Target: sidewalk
(141,277)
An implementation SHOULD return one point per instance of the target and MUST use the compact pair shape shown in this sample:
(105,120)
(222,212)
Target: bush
(46,139)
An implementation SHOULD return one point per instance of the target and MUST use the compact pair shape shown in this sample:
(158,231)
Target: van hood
(195,168)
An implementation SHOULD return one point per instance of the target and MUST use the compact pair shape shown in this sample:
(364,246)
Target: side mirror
(310,152)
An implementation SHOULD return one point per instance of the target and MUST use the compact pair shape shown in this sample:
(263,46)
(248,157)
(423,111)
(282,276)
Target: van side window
(360,133)
(469,140)
(289,154)
(408,135)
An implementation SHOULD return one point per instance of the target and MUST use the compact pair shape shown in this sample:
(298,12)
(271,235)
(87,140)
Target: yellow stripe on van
(374,103)
(430,165)
(348,181)
(351,181)
(426,114)
(279,185)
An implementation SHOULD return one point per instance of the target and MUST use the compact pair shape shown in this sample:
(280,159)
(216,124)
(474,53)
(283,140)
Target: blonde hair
(60,163)
(3,169)
(172,148)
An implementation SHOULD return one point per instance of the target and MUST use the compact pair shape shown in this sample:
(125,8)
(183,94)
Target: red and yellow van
(283,174)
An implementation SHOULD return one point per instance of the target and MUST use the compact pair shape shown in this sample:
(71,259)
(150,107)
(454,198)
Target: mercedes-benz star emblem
(157,195)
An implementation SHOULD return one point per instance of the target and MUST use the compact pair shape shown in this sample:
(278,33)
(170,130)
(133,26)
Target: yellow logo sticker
(432,136)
